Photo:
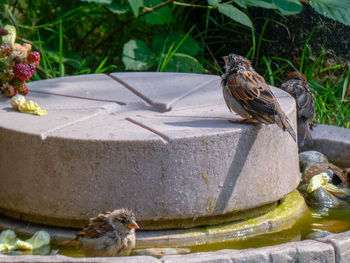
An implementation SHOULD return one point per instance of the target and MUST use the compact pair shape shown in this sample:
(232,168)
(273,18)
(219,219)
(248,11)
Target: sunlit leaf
(338,10)
(135,6)
(232,12)
(118,8)
(137,55)
(183,63)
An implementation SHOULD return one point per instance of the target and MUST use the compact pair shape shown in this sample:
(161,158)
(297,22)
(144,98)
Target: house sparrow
(297,86)
(108,234)
(247,93)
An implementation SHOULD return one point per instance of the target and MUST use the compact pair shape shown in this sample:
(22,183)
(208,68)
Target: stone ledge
(341,244)
(64,259)
(332,141)
(165,135)
(305,251)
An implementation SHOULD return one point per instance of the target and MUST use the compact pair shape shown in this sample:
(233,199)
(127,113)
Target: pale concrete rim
(223,253)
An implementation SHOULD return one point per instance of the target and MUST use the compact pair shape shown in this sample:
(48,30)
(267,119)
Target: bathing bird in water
(246,93)
(108,234)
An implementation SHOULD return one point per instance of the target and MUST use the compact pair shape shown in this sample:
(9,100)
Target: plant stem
(194,5)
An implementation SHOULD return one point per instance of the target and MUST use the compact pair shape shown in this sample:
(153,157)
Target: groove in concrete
(164,138)
(77,97)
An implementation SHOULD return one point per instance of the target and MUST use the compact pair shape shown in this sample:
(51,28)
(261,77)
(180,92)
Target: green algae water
(334,220)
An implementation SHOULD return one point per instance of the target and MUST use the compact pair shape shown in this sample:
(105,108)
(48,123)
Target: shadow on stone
(243,148)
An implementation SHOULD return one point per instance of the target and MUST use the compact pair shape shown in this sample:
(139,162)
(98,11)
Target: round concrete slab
(157,143)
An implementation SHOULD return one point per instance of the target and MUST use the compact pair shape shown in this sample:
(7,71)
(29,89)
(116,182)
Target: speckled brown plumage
(108,234)
(298,86)
(246,93)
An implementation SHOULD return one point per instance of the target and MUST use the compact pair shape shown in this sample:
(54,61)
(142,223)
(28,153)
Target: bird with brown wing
(246,93)
(298,86)
(108,234)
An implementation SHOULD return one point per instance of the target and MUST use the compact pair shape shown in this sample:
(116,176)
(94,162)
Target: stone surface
(63,259)
(334,142)
(304,251)
(341,244)
(157,143)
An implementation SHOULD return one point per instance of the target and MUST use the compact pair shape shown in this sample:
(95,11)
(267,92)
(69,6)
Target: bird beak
(133,225)
(225,59)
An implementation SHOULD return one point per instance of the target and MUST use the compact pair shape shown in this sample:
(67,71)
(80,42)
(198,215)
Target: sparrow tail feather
(283,123)
(304,135)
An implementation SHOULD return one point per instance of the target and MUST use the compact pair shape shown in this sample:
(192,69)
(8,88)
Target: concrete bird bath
(160,144)
(157,143)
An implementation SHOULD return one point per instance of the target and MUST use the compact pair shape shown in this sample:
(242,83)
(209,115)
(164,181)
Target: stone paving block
(92,86)
(341,244)
(306,251)
(221,256)
(64,259)
(334,141)
(177,86)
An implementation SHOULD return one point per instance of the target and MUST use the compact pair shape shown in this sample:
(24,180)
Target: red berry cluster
(22,71)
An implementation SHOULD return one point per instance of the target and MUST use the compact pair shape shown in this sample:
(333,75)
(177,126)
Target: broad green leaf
(160,16)
(338,10)
(118,8)
(183,63)
(232,12)
(257,3)
(163,41)
(135,6)
(288,7)
(98,1)
(137,55)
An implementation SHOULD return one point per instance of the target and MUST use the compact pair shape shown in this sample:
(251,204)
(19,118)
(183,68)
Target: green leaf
(338,10)
(257,3)
(163,41)
(98,1)
(160,16)
(183,63)
(135,6)
(137,55)
(118,8)
(288,7)
(232,12)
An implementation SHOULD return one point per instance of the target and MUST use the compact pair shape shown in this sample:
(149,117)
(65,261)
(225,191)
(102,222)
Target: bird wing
(305,102)
(301,91)
(97,226)
(252,92)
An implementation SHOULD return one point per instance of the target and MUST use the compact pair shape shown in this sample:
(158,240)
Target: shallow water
(334,220)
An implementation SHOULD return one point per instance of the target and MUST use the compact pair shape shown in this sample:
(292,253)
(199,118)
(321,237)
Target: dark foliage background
(96,36)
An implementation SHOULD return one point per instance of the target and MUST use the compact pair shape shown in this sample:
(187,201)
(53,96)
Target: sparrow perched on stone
(297,86)
(108,234)
(246,93)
